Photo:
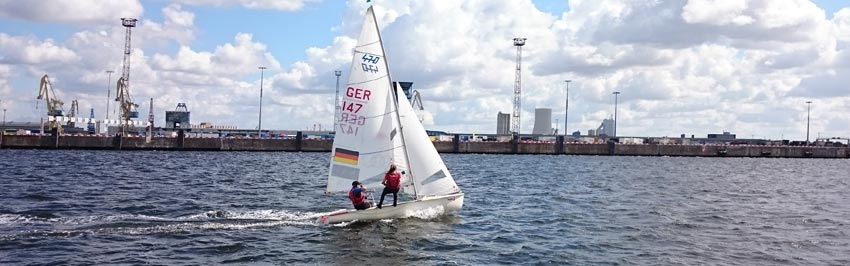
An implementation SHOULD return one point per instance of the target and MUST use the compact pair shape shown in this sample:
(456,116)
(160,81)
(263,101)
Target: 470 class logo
(370,62)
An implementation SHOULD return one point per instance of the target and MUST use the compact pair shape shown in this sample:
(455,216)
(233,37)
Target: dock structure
(300,143)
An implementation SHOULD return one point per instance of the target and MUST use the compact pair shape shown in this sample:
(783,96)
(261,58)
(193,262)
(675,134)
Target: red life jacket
(357,200)
(393,180)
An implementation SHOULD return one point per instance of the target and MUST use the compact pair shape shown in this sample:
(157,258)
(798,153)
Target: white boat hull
(425,206)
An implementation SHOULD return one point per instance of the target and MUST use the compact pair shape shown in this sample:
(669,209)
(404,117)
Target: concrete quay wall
(141,143)
(587,149)
(454,146)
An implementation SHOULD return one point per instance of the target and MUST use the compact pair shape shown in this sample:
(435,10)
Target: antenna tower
(515,125)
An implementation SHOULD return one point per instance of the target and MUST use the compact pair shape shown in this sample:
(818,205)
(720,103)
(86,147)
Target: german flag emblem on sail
(346,156)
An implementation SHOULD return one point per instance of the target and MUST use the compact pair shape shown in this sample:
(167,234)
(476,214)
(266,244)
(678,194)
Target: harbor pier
(298,143)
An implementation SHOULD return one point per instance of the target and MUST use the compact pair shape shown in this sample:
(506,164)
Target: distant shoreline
(300,144)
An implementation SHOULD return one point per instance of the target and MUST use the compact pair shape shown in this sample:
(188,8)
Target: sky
(689,67)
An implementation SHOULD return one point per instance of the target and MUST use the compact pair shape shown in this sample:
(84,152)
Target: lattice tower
(124,98)
(515,122)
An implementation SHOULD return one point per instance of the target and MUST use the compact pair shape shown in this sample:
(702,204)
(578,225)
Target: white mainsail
(367,138)
(379,127)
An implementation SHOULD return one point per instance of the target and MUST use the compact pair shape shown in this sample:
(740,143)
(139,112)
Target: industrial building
(725,136)
(604,129)
(179,118)
(542,121)
(503,124)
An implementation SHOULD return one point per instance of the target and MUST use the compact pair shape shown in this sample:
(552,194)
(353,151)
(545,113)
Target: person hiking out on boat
(357,195)
(392,183)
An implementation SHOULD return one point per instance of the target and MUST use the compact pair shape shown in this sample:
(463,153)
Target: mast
(395,104)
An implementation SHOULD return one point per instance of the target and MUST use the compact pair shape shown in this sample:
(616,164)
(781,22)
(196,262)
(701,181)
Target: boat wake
(427,213)
(16,226)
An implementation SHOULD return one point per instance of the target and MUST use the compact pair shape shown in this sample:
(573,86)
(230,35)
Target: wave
(25,225)
(21,225)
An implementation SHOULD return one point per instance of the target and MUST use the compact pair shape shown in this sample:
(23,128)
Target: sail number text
(352,119)
(358,93)
(370,62)
(351,107)
(349,120)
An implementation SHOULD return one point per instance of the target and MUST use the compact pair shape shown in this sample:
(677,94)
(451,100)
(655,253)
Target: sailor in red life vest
(392,183)
(357,195)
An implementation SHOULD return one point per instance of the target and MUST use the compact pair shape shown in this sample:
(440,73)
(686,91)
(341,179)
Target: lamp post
(337,73)
(567,107)
(260,122)
(616,93)
(808,116)
(108,91)
(4,117)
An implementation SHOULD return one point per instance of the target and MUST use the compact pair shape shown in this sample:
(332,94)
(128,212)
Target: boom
(54,105)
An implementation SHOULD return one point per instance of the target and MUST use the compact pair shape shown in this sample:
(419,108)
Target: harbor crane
(54,105)
(122,94)
(75,110)
(46,92)
(417,101)
(128,107)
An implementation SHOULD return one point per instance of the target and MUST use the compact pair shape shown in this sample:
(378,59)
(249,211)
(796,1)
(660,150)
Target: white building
(542,121)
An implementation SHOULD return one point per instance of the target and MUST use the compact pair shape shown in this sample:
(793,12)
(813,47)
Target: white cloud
(715,12)
(27,50)
(174,15)
(288,5)
(5,90)
(692,67)
(841,22)
(760,24)
(186,60)
(233,60)
(77,65)
(77,11)
(178,26)
(245,54)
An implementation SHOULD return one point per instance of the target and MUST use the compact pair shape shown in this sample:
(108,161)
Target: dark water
(109,207)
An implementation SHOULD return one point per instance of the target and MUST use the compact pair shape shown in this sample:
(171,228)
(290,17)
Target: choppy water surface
(112,207)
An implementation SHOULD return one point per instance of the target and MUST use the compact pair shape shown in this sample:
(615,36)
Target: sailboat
(377,128)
